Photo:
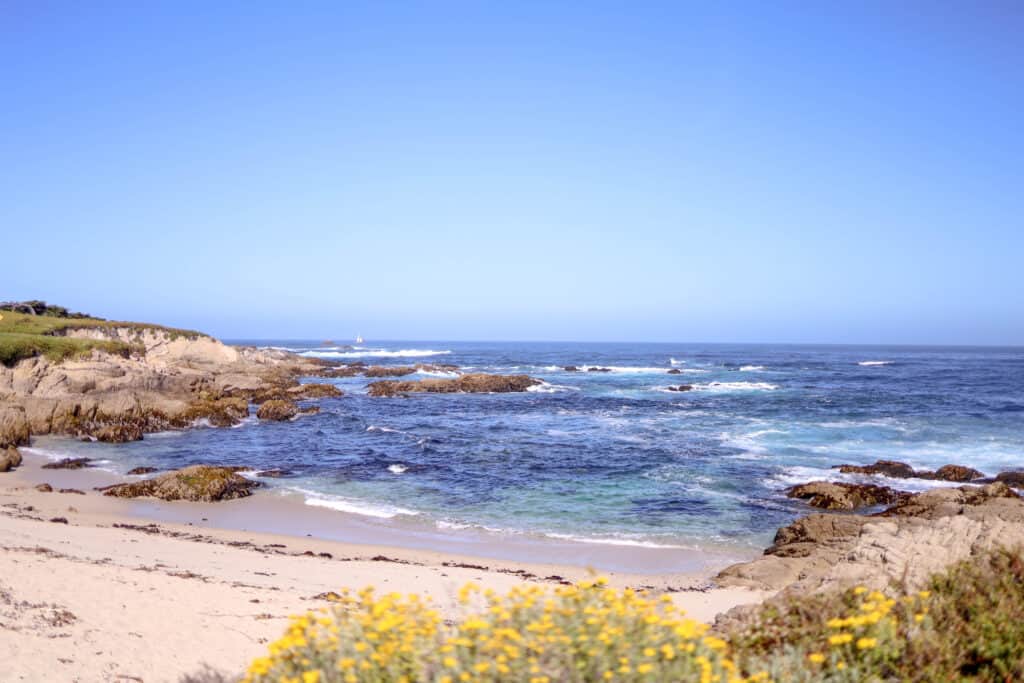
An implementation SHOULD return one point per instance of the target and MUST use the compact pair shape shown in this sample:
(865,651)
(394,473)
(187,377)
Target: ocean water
(615,457)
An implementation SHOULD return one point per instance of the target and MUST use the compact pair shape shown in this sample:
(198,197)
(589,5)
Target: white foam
(438,373)
(397,468)
(546,388)
(375,353)
(623,369)
(380,511)
(725,387)
(751,368)
(614,540)
(875,362)
(673,361)
(375,428)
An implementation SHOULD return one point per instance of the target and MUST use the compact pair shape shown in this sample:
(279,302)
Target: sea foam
(875,362)
(375,353)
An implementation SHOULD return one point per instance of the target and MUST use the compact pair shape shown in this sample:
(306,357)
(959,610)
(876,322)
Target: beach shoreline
(108,588)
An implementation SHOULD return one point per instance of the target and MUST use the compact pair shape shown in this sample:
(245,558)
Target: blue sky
(805,172)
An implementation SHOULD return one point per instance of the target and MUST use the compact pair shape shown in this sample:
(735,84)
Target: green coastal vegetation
(966,625)
(35,328)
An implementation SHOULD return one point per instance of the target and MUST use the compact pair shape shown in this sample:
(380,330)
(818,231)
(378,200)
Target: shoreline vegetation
(882,585)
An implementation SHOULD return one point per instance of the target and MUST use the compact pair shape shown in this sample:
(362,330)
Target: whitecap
(622,369)
(673,361)
(547,388)
(375,428)
(397,468)
(378,510)
(723,387)
(875,362)
(751,368)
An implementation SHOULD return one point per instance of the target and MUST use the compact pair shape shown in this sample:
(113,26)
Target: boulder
(10,458)
(219,412)
(675,371)
(1014,479)
(471,383)
(571,368)
(681,387)
(14,426)
(958,473)
(944,502)
(277,409)
(119,433)
(68,464)
(599,369)
(840,496)
(141,470)
(888,468)
(201,483)
(44,488)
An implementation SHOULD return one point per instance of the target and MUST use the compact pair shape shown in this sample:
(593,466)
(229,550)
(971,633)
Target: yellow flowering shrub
(585,632)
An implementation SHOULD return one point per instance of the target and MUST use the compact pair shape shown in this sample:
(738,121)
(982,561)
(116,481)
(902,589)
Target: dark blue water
(615,457)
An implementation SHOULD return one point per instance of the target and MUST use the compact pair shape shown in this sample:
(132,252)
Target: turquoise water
(615,457)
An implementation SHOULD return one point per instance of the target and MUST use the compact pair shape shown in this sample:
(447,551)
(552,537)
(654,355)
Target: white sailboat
(359,339)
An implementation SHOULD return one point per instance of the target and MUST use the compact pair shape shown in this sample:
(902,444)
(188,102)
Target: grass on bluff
(23,335)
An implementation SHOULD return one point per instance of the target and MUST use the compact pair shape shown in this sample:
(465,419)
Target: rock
(202,483)
(141,470)
(10,458)
(840,496)
(389,371)
(599,369)
(68,464)
(571,368)
(78,491)
(920,535)
(14,426)
(220,412)
(957,473)
(675,371)
(310,410)
(889,468)
(44,488)
(471,383)
(1014,479)
(277,409)
(309,391)
(681,387)
(119,433)
(59,520)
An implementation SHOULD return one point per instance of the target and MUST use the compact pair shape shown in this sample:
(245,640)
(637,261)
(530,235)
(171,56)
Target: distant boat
(359,340)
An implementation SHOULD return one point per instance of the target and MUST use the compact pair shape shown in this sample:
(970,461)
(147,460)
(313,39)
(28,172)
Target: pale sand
(86,601)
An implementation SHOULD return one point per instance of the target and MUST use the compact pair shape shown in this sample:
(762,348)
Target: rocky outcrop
(675,371)
(599,369)
(471,383)
(1014,479)
(840,496)
(920,535)
(68,464)
(141,470)
(571,368)
(901,470)
(681,387)
(10,458)
(277,409)
(219,412)
(200,483)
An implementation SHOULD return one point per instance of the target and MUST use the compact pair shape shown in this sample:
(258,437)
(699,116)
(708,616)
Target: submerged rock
(681,387)
(10,458)
(308,391)
(571,368)
(675,371)
(955,473)
(274,474)
(471,383)
(389,370)
(68,464)
(200,483)
(277,409)
(599,369)
(840,496)
(141,470)
(220,412)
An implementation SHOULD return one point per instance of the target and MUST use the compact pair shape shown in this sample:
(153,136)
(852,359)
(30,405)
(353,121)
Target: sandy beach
(93,589)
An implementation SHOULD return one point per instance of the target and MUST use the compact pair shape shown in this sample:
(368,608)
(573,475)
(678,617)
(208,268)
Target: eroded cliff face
(172,381)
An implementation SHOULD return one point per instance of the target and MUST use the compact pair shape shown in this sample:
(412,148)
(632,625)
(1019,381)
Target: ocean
(616,457)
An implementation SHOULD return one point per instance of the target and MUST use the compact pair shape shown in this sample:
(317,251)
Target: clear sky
(802,172)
